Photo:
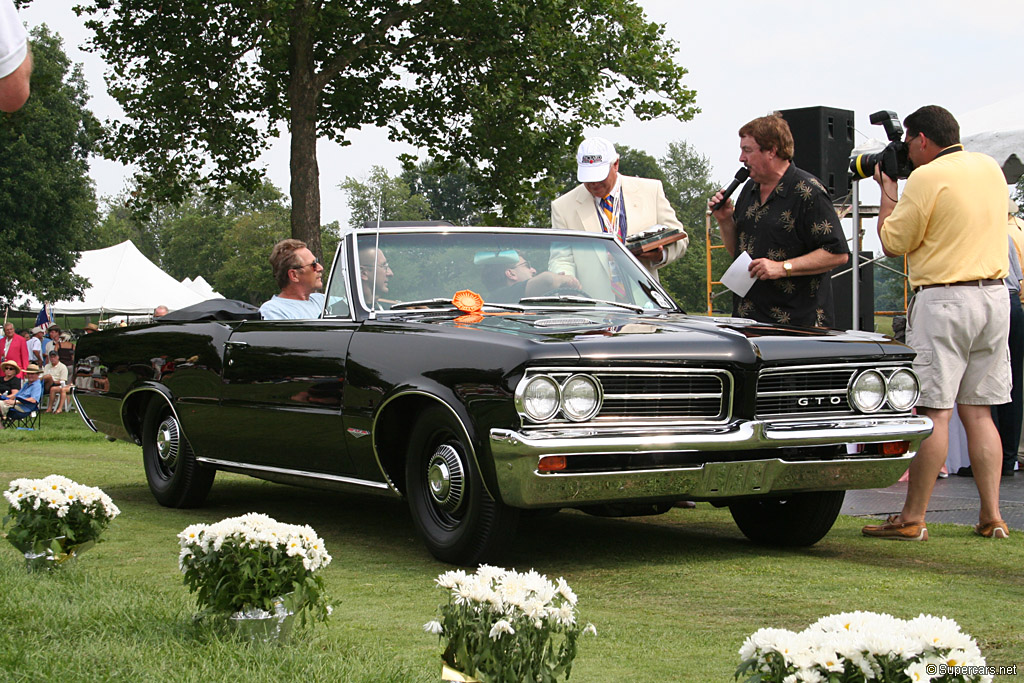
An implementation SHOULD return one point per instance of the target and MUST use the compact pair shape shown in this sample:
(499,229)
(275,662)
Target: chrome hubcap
(167,443)
(445,478)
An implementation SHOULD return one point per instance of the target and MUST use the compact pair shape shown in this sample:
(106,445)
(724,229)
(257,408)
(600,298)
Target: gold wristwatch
(788,267)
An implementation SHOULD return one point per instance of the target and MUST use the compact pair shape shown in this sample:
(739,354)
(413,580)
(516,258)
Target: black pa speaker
(842,294)
(823,140)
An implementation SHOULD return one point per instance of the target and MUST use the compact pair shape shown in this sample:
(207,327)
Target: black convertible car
(481,372)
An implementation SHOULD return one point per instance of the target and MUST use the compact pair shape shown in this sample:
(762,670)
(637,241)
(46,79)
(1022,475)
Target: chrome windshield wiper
(563,298)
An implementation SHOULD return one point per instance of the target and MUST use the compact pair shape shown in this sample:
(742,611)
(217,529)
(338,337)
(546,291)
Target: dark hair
(282,259)
(937,124)
(493,273)
(771,132)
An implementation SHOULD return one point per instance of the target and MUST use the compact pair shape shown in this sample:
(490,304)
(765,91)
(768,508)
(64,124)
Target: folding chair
(31,421)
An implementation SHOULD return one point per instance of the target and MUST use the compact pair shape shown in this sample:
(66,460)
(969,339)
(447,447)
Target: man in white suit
(607,201)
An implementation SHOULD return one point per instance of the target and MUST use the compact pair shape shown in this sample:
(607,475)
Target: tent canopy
(201,287)
(121,280)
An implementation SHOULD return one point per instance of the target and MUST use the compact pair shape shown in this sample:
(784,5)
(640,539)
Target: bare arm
(812,263)
(14,87)
(886,204)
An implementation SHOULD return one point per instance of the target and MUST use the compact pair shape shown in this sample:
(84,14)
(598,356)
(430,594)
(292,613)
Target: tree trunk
(302,97)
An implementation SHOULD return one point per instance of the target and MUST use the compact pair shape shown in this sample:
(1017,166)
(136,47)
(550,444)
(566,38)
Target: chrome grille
(646,396)
(796,392)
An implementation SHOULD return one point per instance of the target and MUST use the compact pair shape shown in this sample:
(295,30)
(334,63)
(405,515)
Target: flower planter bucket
(43,558)
(454,676)
(260,626)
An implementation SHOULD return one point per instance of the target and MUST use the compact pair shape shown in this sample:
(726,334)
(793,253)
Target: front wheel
(799,519)
(175,478)
(457,519)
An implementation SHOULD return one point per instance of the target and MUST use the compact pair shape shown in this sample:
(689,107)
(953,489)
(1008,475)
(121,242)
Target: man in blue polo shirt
(26,399)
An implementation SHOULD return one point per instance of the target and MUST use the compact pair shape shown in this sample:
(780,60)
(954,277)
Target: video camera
(894,159)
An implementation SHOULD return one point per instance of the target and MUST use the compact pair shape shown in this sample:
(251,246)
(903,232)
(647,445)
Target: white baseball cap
(594,159)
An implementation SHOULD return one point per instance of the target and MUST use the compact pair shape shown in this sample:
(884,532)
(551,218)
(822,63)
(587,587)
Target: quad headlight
(541,398)
(870,391)
(581,397)
(902,389)
(867,393)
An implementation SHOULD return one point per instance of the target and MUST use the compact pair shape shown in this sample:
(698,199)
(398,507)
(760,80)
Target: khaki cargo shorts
(960,335)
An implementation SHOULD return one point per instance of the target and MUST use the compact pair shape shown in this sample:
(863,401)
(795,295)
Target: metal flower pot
(260,626)
(48,554)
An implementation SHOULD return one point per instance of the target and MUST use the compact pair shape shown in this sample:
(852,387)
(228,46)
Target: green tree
(47,202)
(504,85)
(226,238)
(120,223)
(688,185)
(449,192)
(392,195)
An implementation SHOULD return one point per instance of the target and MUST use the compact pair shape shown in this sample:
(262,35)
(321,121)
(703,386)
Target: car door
(281,397)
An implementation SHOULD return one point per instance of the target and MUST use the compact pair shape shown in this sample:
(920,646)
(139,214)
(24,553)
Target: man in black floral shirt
(784,219)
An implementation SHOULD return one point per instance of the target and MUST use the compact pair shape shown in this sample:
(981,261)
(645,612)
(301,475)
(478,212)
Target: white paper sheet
(737,277)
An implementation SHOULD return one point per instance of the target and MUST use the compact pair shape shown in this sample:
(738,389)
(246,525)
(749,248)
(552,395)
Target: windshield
(528,269)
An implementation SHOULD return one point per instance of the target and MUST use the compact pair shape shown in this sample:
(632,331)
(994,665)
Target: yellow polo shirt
(951,221)
(1015,227)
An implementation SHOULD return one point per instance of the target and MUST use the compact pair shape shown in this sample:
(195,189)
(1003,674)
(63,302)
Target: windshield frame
(659,299)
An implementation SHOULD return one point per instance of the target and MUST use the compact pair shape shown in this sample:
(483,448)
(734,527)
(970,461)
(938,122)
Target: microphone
(741,177)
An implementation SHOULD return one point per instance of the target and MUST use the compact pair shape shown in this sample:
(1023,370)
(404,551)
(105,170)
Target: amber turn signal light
(551,463)
(895,447)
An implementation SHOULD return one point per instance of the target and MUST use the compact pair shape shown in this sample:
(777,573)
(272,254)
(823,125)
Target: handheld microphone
(741,177)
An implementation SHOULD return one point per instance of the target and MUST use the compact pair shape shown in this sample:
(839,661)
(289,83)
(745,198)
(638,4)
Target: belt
(968,283)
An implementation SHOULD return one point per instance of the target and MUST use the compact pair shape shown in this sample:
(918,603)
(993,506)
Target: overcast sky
(745,58)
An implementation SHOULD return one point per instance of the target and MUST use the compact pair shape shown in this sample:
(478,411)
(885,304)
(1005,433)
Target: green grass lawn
(672,596)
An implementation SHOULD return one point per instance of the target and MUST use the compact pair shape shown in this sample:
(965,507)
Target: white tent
(201,287)
(121,280)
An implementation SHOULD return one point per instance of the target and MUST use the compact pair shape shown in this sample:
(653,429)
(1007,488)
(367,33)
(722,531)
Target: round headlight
(902,389)
(867,393)
(540,398)
(581,397)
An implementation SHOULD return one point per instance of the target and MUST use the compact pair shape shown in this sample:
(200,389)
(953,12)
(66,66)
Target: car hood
(624,335)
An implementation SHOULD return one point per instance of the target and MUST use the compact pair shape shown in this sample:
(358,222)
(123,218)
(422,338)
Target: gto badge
(819,401)
(358,433)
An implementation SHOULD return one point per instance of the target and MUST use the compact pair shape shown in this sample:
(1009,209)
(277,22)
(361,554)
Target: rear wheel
(799,519)
(174,476)
(457,519)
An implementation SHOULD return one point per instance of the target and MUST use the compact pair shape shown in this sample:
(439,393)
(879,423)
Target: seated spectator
(28,397)
(35,345)
(10,383)
(299,275)
(55,381)
(509,277)
(90,328)
(160,311)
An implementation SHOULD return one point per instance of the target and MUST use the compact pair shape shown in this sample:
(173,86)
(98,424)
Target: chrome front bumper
(516,456)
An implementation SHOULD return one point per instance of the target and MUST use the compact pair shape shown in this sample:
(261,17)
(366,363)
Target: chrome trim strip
(832,367)
(802,392)
(78,406)
(294,473)
(660,397)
